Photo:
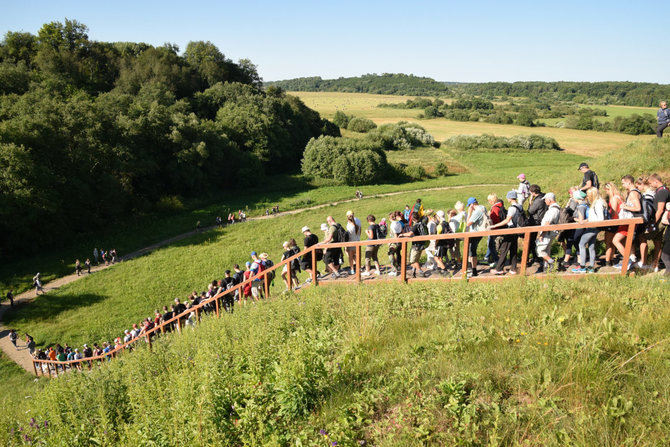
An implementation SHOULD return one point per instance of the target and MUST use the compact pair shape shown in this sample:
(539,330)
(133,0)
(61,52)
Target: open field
(580,142)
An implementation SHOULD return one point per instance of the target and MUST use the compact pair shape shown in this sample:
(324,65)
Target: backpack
(446,229)
(423,231)
(341,235)
(295,264)
(520,219)
(382,231)
(648,211)
(566,215)
(503,212)
(268,264)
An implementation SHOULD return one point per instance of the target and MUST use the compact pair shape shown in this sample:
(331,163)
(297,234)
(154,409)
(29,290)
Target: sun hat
(471,200)
(263,256)
(350,213)
(440,214)
(305,228)
(521,176)
(511,195)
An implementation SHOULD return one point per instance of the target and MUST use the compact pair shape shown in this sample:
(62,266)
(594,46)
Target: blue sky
(446,40)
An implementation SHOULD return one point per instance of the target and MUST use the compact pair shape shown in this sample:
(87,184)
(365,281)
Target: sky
(460,41)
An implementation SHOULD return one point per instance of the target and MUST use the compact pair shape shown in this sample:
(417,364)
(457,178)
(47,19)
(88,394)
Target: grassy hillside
(519,362)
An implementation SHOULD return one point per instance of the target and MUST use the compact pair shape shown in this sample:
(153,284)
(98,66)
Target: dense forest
(91,131)
(641,94)
(384,84)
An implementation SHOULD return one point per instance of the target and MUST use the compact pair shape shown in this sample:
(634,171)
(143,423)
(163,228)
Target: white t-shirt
(351,229)
(597,211)
(395,228)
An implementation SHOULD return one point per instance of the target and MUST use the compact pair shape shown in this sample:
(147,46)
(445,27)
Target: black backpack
(341,235)
(270,275)
(295,264)
(382,231)
(446,229)
(520,219)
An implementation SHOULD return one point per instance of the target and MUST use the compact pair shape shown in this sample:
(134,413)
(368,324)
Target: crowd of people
(527,205)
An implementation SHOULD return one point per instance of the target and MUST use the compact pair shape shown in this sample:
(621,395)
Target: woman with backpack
(614,202)
(290,249)
(510,244)
(476,221)
(587,241)
(631,208)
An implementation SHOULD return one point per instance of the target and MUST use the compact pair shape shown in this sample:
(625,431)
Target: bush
(635,124)
(361,125)
(415,172)
(441,170)
(341,119)
(526,117)
(487,141)
(401,136)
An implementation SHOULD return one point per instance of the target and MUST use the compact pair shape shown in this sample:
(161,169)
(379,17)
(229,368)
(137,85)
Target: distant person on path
(590,179)
(523,191)
(115,258)
(37,282)
(663,118)
(88,265)
(30,343)
(95,255)
(77,267)
(10,297)
(13,337)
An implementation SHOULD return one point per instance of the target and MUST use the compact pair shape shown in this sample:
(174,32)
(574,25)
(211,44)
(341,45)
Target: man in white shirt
(545,238)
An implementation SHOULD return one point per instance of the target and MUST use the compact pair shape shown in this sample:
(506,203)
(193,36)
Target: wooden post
(163,328)
(524,253)
(288,276)
(48,369)
(35,369)
(315,280)
(216,303)
(197,314)
(627,249)
(266,285)
(358,263)
(403,261)
(464,254)
(149,341)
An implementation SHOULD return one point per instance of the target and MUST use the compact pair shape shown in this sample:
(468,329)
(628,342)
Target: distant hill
(384,84)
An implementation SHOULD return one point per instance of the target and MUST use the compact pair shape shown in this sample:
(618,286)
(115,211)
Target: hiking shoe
(578,270)
(335,276)
(377,272)
(499,272)
(512,272)
(590,270)
(353,272)
(493,264)
(393,273)
(365,274)
(308,280)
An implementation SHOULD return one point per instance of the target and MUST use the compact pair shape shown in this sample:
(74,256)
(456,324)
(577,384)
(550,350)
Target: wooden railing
(52,367)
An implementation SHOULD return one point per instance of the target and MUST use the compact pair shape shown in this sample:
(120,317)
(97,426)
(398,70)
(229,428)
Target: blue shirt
(663,116)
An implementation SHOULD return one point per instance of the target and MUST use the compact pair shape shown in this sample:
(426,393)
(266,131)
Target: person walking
(13,337)
(590,179)
(88,265)
(77,267)
(306,260)
(95,255)
(354,230)
(510,243)
(476,221)
(545,238)
(37,282)
(10,297)
(663,118)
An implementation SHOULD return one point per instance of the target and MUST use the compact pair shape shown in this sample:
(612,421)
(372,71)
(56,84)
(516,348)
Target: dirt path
(23,358)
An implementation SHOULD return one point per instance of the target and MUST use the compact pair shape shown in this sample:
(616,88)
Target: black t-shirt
(167,315)
(179,308)
(590,175)
(238,277)
(662,195)
(228,282)
(416,230)
(374,228)
(310,240)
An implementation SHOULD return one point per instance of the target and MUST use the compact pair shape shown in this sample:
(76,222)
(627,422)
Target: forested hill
(92,131)
(642,94)
(384,84)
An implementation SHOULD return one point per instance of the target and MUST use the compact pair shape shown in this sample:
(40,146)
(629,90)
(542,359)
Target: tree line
(92,131)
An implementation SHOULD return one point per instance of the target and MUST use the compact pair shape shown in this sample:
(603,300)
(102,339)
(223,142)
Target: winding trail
(22,357)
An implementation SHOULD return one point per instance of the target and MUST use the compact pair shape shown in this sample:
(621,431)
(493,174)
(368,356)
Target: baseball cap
(583,165)
(550,196)
(440,213)
(253,253)
(349,213)
(471,200)
(305,228)
(521,176)
(511,195)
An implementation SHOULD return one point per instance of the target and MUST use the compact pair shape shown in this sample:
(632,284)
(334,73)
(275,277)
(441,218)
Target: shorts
(543,245)
(371,253)
(441,251)
(472,249)
(332,256)
(415,254)
(656,235)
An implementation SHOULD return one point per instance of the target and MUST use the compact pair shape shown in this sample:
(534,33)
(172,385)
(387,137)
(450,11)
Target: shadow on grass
(47,307)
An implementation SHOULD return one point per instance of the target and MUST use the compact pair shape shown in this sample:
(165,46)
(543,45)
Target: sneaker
(365,273)
(377,272)
(335,276)
(578,270)
(512,272)
(308,280)
(590,270)
(392,273)
(493,264)
(499,272)
(353,272)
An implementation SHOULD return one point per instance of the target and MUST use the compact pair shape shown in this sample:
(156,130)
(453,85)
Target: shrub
(441,170)
(526,117)
(416,172)
(361,125)
(341,119)
(487,141)
(401,136)
(635,124)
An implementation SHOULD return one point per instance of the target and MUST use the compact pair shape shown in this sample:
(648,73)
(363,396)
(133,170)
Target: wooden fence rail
(51,368)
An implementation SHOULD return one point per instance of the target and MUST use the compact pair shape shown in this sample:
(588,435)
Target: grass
(522,362)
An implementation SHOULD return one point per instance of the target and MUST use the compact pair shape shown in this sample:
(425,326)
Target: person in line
(661,198)
(395,248)
(579,216)
(665,253)
(596,213)
(416,209)
(536,209)
(371,251)
(417,229)
(523,191)
(476,221)
(290,249)
(662,118)
(354,230)
(407,213)
(631,208)
(331,256)
(614,203)
(442,246)
(431,224)
(306,261)
(509,243)
(546,238)
(590,179)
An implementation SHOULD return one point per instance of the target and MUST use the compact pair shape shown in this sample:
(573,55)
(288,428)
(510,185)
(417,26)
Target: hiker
(407,213)
(87,263)
(596,213)
(536,209)
(590,179)
(395,248)
(306,261)
(77,267)
(10,297)
(30,343)
(567,237)
(417,229)
(290,249)
(416,209)
(546,238)
(371,251)
(430,221)
(656,226)
(523,191)
(442,245)
(95,255)
(663,119)
(331,257)
(37,283)
(632,207)
(496,214)
(354,230)
(13,336)
(614,203)
(476,221)
(509,243)
(665,253)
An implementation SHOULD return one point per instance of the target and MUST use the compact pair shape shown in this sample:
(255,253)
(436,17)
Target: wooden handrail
(521,231)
